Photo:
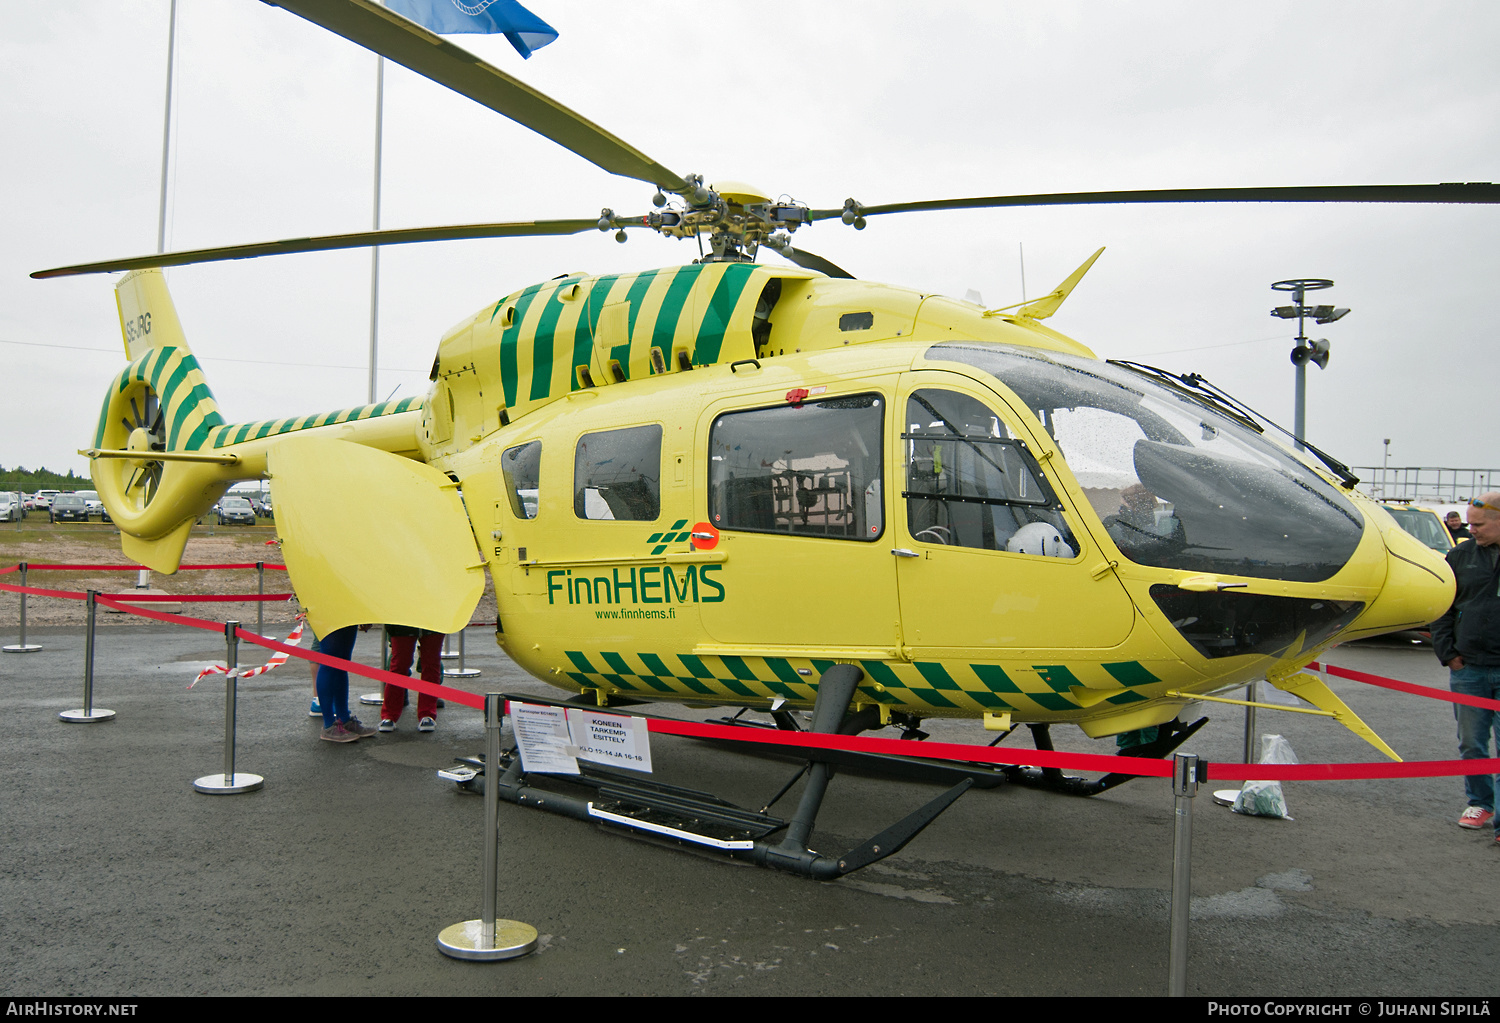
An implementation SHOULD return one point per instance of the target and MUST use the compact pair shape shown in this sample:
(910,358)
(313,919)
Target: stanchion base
(460,672)
(21,648)
(86,717)
(1226,797)
(215,785)
(449,655)
(372,699)
(512,939)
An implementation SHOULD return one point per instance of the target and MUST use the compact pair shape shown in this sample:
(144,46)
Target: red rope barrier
(168,598)
(964,752)
(462,696)
(163,616)
(1409,687)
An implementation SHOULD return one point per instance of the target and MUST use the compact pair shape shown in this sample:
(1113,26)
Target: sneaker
(387,725)
(315,711)
(338,733)
(426,725)
(357,728)
(1475,817)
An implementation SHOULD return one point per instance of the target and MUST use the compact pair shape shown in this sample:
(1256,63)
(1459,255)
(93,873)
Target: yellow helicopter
(777,487)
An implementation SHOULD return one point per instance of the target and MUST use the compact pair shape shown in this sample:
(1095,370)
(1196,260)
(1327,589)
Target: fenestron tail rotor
(146,432)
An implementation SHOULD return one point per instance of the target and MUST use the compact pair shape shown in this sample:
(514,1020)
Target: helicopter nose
(1418,587)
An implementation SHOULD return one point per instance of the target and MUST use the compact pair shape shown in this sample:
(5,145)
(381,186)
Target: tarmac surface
(116,878)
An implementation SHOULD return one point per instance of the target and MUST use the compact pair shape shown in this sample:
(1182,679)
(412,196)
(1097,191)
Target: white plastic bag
(1265,798)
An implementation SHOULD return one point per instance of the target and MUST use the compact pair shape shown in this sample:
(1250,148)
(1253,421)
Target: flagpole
(143,577)
(375,225)
(166,133)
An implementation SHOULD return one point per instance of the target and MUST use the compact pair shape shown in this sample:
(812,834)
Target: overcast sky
(273,137)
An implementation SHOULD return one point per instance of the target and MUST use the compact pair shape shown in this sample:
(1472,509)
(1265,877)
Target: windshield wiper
(1196,387)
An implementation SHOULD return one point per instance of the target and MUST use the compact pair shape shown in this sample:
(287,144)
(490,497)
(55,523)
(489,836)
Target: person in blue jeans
(333,688)
(1467,640)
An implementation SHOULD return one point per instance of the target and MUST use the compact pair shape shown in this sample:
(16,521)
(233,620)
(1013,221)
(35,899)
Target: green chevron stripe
(995,678)
(1131,673)
(541,345)
(509,371)
(937,675)
(716,316)
(671,308)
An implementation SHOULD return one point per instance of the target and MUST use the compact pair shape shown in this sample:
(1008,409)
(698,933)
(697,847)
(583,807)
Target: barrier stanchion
(260,588)
(1184,788)
(460,671)
(229,783)
(88,713)
(377,698)
(1252,692)
(489,938)
(23,647)
(447,654)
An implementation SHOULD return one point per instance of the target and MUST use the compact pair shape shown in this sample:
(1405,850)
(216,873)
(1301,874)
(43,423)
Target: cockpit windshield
(1178,484)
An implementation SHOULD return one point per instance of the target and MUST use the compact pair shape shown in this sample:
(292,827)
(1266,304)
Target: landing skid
(1169,736)
(913,768)
(627,801)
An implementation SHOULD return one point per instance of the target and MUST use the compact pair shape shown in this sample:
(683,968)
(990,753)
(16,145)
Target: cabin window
(617,475)
(970,483)
(806,470)
(522,466)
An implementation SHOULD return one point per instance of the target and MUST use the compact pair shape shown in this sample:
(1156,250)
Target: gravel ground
(99,545)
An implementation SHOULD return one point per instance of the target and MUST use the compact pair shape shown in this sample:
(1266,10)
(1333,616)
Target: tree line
(31,480)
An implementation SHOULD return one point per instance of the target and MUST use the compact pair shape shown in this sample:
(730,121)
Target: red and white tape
(276,660)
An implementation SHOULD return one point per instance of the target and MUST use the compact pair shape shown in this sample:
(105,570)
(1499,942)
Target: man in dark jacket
(1456,528)
(1467,641)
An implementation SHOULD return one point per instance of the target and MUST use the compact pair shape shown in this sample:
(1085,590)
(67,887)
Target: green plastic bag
(1265,798)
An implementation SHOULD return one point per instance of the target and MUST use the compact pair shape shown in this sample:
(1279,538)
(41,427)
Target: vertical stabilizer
(147,317)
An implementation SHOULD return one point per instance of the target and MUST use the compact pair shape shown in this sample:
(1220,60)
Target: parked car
(236,510)
(91,498)
(44,498)
(12,507)
(69,508)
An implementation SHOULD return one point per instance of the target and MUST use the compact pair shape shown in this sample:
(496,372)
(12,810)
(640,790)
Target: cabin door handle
(902,552)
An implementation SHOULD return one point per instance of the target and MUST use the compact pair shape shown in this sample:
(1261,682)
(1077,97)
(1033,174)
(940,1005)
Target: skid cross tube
(761,838)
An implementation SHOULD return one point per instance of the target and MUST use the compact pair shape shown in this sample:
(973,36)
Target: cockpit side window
(971,483)
(1178,484)
(806,470)
(617,475)
(522,468)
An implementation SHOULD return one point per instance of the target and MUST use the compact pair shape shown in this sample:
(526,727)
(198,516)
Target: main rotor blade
(412,46)
(1453,192)
(810,261)
(359,239)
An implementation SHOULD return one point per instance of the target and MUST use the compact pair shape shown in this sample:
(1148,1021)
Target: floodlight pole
(375,225)
(1299,288)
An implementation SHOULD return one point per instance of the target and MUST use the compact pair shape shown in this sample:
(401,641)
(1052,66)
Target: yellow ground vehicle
(730,483)
(1423,523)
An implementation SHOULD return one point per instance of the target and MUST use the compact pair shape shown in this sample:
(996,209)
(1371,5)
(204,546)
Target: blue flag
(525,30)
